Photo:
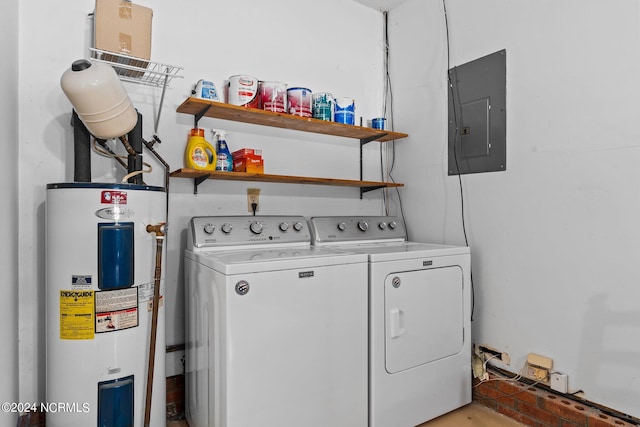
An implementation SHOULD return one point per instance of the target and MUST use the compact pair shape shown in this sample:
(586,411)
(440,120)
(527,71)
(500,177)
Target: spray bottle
(200,154)
(224,161)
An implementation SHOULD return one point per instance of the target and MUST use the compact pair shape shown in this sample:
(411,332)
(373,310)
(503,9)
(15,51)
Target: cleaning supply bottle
(224,163)
(199,155)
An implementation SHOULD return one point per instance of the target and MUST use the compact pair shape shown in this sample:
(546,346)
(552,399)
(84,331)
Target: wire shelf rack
(138,70)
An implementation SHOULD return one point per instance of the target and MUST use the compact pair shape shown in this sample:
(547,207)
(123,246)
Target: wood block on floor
(472,415)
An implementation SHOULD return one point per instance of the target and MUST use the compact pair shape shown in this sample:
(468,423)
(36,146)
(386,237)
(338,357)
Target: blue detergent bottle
(224,161)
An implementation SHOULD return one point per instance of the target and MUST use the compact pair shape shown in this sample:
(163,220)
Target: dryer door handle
(396,323)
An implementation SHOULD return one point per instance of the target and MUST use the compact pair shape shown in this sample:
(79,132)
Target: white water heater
(100,275)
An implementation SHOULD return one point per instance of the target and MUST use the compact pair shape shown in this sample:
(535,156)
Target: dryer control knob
(382,225)
(256,227)
(226,228)
(297,226)
(363,225)
(284,226)
(393,225)
(209,228)
(342,226)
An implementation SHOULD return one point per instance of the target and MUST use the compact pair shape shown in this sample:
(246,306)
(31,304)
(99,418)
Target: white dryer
(276,329)
(419,319)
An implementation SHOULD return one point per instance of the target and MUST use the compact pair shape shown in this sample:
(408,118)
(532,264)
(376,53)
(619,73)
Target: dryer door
(423,317)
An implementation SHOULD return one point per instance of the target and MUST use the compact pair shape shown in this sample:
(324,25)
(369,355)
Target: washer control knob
(393,225)
(284,226)
(256,227)
(342,226)
(297,226)
(226,228)
(208,228)
(363,225)
(382,225)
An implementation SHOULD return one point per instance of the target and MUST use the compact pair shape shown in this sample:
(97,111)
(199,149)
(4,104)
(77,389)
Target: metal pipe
(135,159)
(159,230)
(81,150)
(175,347)
(167,168)
(127,146)
(103,144)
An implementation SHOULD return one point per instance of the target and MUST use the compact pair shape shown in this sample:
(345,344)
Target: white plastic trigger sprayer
(224,161)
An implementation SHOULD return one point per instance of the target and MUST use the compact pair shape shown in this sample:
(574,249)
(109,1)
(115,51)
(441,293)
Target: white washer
(419,324)
(276,329)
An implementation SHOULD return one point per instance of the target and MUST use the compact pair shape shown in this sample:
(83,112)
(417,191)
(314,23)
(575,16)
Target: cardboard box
(247,152)
(248,164)
(124,28)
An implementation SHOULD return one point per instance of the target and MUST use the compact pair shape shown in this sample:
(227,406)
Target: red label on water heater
(114,197)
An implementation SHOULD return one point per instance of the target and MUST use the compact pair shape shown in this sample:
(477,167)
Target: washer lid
(264,259)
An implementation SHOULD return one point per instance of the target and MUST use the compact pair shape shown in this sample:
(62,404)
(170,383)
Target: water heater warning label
(76,315)
(116,310)
(146,291)
(80,281)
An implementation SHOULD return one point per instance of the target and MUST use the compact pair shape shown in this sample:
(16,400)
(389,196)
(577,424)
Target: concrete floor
(472,415)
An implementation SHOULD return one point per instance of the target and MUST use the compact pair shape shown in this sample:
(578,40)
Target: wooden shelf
(200,108)
(205,108)
(201,176)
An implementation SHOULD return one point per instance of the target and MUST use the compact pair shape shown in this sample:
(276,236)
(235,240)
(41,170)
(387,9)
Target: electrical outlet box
(538,367)
(506,359)
(560,382)
(253,196)
(541,361)
(538,374)
(492,353)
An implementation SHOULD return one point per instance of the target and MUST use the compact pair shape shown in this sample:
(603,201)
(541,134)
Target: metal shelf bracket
(367,189)
(364,141)
(198,116)
(199,180)
(367,140)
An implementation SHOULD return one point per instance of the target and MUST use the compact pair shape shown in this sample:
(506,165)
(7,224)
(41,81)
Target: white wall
(555,238)
(334,45)
(9,207)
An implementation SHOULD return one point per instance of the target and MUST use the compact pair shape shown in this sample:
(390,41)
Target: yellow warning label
(76,315)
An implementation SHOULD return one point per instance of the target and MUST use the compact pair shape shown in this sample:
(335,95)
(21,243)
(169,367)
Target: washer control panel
(327,229)
(215,231)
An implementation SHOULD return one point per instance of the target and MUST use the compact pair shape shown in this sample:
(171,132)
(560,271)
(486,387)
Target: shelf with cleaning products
(200,108)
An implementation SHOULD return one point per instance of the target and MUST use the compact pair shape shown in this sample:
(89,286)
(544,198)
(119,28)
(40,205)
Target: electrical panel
(477,115)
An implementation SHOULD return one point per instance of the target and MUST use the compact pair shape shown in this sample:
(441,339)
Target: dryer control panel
(338,229)
(219,231)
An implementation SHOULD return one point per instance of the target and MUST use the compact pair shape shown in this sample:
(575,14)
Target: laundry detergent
(200,154)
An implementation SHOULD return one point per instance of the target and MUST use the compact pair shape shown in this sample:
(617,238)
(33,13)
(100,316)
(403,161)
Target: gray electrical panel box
(477,115)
